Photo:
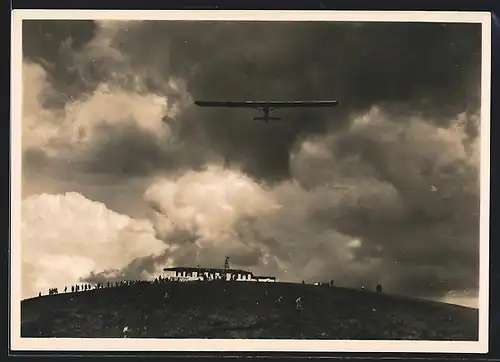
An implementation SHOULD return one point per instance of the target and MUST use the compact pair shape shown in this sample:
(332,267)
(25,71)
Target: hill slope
(243,310)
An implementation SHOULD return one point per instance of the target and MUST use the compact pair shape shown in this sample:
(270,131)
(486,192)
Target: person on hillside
(166,299)
(299,306)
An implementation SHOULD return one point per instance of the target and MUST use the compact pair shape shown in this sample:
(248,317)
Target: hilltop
(243,310)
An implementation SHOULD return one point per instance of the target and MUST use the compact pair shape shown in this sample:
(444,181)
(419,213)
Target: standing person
(299,305)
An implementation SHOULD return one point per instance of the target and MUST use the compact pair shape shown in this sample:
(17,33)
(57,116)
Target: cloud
(110,135)
(349,213)
(66,237)
(77,125)
(233,61)
(414,196)
(52,44)
(198,212)
(359,64)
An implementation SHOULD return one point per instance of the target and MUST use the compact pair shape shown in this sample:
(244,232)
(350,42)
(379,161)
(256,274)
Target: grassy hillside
(243,310)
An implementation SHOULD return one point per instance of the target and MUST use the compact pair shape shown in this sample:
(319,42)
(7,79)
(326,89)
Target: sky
(123,175)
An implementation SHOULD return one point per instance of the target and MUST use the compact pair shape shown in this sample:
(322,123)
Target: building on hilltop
(192,274)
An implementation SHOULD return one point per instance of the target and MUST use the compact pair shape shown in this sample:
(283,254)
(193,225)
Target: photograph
(250,181)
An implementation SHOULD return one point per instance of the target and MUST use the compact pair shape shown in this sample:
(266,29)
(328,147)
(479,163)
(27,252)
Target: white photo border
(245,345)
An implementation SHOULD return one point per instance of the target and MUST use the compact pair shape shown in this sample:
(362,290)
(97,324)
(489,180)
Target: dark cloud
(145,153)
(426,220)
(427,68)
(52,44)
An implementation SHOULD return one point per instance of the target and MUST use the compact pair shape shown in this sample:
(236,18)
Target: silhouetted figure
(72,289)
(331,283)
(65,289)
(77,288)
(299,306)
(303,282)
(40,294)
(379,288)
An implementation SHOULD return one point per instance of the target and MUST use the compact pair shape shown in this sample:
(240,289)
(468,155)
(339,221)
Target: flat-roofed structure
(191,274)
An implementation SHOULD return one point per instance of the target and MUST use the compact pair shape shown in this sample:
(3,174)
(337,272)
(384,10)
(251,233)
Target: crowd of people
(99,285)
(121,283)
(112,284)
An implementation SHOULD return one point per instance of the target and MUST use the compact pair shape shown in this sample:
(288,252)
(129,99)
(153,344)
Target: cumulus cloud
(347,214)
(66,237)
(106,134)
(77,124)
(425,212)
(198,212)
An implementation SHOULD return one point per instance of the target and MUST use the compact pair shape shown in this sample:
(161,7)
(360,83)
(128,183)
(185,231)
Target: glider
(267,106)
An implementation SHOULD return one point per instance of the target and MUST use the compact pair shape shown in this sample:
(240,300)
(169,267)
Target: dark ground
(243,310)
